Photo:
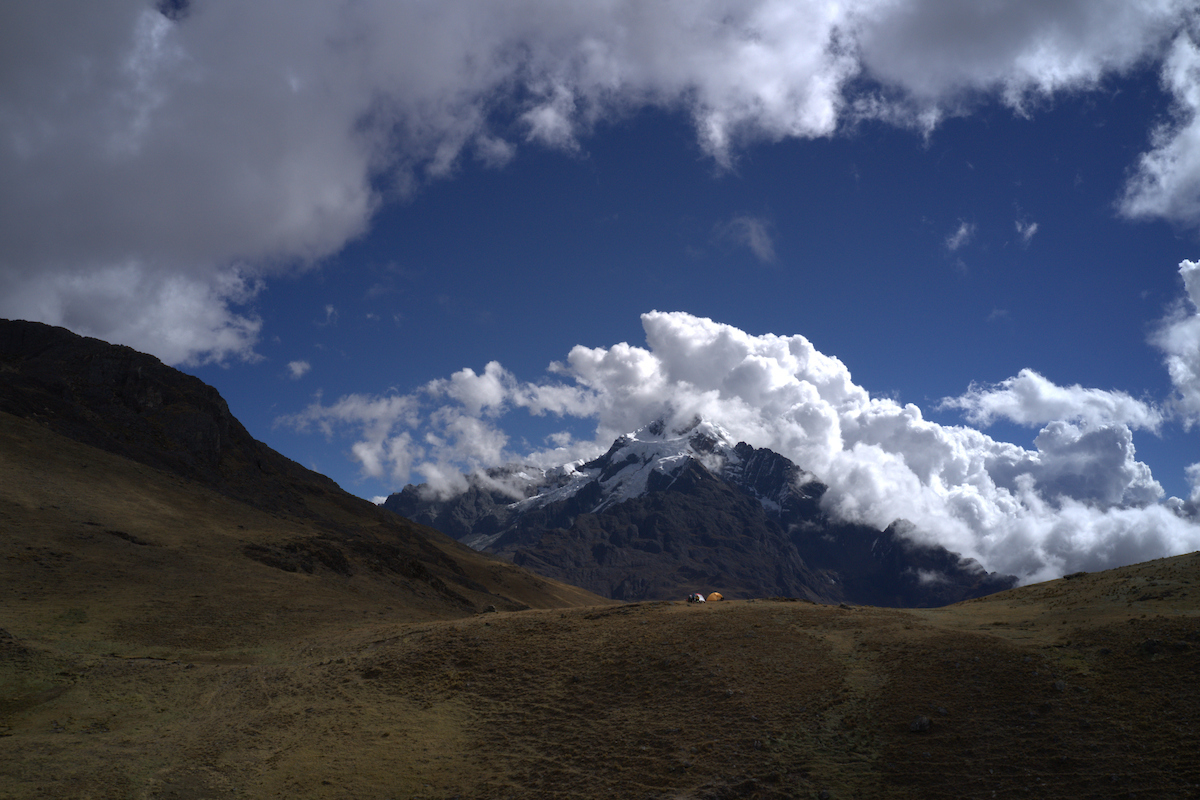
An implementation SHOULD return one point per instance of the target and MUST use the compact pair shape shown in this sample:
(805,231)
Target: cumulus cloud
(181,318)
(940,50)
(1030,399)
(1166,183)
(159,154)
(1079,499)
(448,427)
(1193,475)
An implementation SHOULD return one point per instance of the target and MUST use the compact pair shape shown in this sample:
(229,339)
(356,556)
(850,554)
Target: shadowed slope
(131,404)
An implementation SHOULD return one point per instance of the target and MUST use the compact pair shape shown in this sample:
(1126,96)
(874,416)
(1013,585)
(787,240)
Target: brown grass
(145,657)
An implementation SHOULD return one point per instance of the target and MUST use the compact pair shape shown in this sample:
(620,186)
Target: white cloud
(249,137)
(1192,471)
(940,50)
(298,369)
(381,450)
(183,319)
(1030,399)
(961,236)
(1179,338)
(1167,181)
(1078,500)
(551,121)
(476,393)
(1092,465)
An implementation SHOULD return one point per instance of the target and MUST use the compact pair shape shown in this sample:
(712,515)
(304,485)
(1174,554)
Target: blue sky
(330,213)
(555,249)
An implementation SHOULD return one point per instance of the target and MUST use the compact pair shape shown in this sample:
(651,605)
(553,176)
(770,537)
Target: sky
(944,255)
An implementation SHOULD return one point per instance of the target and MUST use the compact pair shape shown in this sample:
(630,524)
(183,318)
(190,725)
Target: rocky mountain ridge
(669,510)
(130,405)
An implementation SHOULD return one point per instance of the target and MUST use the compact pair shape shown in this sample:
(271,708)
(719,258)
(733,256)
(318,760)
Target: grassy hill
(145,655)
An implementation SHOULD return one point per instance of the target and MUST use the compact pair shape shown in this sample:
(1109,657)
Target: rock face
(667,512)
(131,404)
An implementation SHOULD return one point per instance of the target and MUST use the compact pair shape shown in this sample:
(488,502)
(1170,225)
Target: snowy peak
(698,439)
(648,459)
(634,459)
(668,507)
(627,469)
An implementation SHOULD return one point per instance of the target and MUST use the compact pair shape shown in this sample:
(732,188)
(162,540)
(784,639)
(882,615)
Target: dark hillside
(148,431)
(131,404)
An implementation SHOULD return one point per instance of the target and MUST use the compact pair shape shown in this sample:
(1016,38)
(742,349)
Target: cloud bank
(169,162)
(1079,500)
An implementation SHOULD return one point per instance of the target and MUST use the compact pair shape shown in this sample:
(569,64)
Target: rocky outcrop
(131,404)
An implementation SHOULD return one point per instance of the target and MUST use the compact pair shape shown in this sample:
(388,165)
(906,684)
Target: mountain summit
(669,510)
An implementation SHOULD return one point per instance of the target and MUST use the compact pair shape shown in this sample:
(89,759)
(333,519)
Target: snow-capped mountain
(649,455)
(648,459)
(672,508)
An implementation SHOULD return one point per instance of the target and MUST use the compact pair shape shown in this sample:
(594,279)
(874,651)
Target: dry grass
(146,658)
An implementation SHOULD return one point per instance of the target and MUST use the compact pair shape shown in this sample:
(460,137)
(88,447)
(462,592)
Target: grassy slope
(137,559)
(144,656)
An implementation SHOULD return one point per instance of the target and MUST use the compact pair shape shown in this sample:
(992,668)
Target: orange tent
(715,596)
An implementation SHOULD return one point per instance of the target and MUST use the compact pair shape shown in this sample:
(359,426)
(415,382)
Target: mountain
(115,464)
(669,511)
